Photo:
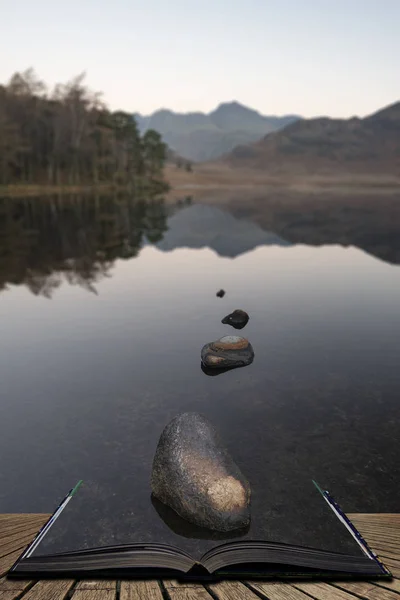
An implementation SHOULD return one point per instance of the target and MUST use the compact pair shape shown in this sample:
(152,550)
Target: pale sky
(310,57)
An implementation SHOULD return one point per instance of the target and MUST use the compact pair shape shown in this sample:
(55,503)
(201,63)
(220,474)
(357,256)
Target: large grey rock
(194,474)
(227,352)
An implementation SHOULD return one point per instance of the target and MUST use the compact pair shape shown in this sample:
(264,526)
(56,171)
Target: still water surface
(103,313)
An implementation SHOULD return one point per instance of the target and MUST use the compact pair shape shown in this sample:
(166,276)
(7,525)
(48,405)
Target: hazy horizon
(276,114)
(278,57)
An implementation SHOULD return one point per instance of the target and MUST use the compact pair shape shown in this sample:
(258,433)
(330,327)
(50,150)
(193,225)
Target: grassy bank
(221,179)
(31,189)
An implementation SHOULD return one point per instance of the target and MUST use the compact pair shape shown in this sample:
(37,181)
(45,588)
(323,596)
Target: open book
(76,543)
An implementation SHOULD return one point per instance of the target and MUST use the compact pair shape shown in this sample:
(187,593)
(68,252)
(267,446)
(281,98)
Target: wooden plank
(387,554)
(20,516)
(20,524)
(278,591)
(382,535)
(18,528)
(10,589)
(377,548)
(381,539)
(372,540)
(394,584)
(93,595)
(140,590)
(393,561)
(376,524)
(390,532)
(13,531)
(386,549)
(197,592)
(392,565)
(20,521)
(11,517)
(17,531)
(18,542)
(98,584)
(232,590)
(368,591)
(10,594)
(383,544)
(6,562)
(376,517)
(174,583)
(323,591)
(14,584)
(52,589)
(379,536)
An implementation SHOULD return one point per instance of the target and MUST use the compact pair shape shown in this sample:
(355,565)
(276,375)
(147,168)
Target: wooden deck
(382,531)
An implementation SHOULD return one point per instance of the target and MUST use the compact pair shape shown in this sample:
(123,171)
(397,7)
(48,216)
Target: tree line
(74,238)
(68,136)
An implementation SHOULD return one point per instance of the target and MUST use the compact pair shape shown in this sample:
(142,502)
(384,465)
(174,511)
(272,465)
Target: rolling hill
(361,145)
(200,137)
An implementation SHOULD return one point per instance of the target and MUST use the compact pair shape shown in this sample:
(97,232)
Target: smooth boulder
(194,474)
(228,352)
(238,319)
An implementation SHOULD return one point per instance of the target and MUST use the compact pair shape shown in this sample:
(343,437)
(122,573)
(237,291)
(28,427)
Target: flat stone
(238,319)
(194,474)
(228,352)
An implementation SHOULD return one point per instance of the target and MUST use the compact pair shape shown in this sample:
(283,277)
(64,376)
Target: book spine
(45,528)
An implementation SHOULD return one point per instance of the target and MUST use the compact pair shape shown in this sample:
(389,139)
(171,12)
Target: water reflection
(214,372)
(44,242)
(88,383)
(368,222)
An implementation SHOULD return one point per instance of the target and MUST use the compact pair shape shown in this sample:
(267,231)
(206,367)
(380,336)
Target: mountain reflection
(47,241)
(44,242)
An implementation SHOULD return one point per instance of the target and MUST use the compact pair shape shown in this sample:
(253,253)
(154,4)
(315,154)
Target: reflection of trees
(46,241)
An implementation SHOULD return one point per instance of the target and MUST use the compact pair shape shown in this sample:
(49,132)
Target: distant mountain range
(200,226)
(371,143)
(200,137)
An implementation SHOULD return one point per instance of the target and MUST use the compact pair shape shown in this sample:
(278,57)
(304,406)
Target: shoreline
(216,181)
(32,189)
(220,181)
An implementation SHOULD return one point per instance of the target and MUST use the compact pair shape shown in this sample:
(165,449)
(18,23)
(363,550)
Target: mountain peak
(233,106)
(199,136)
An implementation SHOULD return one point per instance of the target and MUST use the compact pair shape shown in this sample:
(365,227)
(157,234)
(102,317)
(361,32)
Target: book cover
(92,516)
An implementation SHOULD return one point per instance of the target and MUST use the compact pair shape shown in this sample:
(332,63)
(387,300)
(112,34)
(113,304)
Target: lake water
(105,305)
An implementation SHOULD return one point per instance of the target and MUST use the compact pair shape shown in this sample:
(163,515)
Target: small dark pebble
(221,293)
(238,319)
